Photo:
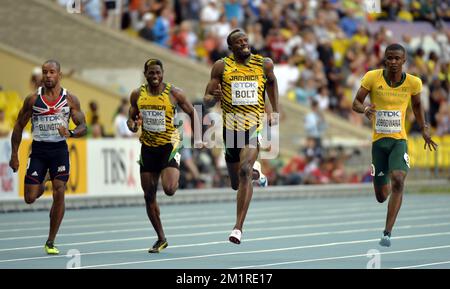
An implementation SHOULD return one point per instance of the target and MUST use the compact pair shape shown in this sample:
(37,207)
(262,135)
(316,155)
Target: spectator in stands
(5,128)
(437,96)
(36,78)
(443,120)
(147,31)
(94,126)
(210,15)
(322,98)
(120,123)
(113,13)
(315,124)
(93,9)
(95,129)
(161,28)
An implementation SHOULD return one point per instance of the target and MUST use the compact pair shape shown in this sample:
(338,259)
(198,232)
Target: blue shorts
(53,157)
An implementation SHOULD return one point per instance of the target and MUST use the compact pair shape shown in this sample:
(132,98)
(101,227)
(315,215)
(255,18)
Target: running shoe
(158,246)
(235,236)
(262,180)
(50,249)
(385,240)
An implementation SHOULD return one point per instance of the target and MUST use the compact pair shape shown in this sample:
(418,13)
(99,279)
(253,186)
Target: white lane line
(423,265)
(181,214)
(271,221)
(315,234)
(226,224)
(71,220)
(166,213)
(187,219)
(260,251)
(229,216)
(344,257)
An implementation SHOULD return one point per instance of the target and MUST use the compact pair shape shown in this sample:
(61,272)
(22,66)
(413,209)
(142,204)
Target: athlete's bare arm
(77,116)
(213,91)
(22,120)
(420,117)
(134,119)
(188,108)
(272,89)
(358,104)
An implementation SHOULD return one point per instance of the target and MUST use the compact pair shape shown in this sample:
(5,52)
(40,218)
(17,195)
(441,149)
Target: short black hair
(231,34)
(395,46)
(152,61)
(55,62)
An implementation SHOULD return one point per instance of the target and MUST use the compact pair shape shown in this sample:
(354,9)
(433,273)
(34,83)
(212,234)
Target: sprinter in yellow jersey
(239,82)
(390,91)
(153,109)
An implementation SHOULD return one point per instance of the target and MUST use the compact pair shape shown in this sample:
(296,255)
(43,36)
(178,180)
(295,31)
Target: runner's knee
(170,189)
(245,171)
(397,180)
(381,194)
(29,199)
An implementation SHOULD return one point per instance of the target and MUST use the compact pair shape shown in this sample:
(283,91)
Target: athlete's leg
(395,201)
(58,208)
(34,179)
(380,170)
(169,178)
(248,157)
(233,172)
(149,183)
(382,192)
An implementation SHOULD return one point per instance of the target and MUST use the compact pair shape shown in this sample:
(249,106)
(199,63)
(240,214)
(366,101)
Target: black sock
(386,233)
(49,244)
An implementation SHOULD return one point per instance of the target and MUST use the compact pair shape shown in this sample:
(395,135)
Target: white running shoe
(262,180)
(385,241)
(235,236)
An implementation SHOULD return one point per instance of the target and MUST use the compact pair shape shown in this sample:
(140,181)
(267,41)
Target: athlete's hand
(14,163)
(369,111)
(217,93)
(273,118)
(133,125)
(428,141)
(63,131)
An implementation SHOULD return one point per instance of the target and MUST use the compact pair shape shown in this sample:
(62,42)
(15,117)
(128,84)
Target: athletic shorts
(234,141)
(156,159)
(388,155)
(51,156)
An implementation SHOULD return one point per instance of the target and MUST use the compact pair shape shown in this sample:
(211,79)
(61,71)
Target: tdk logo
(388,113)
(156,113)
(49,117)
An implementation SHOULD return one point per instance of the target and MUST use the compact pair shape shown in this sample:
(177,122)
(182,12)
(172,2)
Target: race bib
(46,126)
(244,92)
(154,120)
(388,121)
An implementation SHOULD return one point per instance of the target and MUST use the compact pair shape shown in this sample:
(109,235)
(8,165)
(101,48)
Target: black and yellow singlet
(243,88)
(158,115)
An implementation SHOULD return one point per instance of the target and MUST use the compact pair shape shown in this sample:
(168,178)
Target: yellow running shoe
(158,246)
(51,249)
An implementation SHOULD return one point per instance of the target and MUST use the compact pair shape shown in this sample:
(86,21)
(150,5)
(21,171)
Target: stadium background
(321,50)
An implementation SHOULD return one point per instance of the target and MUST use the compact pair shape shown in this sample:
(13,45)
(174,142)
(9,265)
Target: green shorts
(388,154)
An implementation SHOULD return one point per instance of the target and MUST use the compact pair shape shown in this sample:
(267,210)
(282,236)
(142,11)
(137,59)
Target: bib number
(46,126)
(244,92)
(388,121)
(154,120)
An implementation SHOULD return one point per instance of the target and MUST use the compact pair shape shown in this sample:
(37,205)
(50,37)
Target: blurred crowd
(321,49)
